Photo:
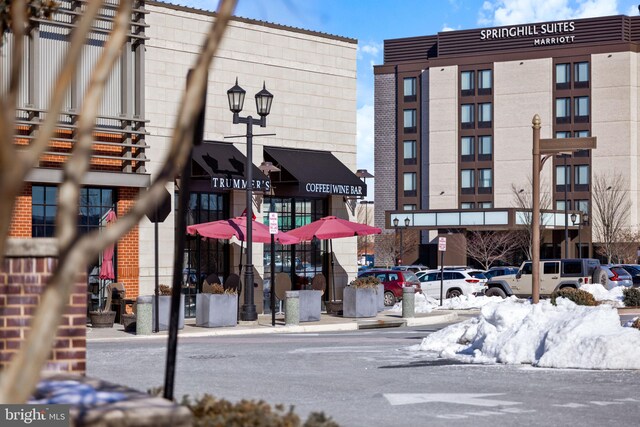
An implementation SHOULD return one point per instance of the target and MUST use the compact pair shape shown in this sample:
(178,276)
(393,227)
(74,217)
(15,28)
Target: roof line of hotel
(253,21)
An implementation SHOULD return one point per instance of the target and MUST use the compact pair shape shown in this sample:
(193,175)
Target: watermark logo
(34,415)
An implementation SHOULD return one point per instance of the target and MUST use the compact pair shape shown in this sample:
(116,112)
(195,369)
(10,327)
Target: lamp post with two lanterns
(263,106)
(396,222)
(584,219)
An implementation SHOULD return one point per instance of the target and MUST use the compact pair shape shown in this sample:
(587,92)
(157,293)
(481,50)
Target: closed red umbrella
(106,268)
(331,227)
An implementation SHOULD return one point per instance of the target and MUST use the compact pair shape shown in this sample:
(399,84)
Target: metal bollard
(292,308)
(408,302)
(144,313)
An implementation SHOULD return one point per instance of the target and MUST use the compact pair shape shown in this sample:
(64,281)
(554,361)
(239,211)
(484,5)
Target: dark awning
(225,164)
(314,172)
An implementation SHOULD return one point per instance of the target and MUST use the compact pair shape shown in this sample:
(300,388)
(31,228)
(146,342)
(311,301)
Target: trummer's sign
(543,34)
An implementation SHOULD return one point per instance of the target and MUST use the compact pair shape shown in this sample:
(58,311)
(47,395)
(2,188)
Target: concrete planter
(102,319)
(310,306)
(164,306)
(216,310)
(360,302)
(381,297)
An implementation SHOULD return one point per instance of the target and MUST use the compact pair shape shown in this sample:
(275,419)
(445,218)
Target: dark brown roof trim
(253,21)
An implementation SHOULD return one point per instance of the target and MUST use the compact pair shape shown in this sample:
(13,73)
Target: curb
(292,329)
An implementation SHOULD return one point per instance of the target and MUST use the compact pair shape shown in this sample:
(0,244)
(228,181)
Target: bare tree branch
(20,377)
(488,247)
(523,200)
(12,172)
(610,212)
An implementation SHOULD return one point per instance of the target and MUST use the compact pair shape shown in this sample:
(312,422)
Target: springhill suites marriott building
(453,131)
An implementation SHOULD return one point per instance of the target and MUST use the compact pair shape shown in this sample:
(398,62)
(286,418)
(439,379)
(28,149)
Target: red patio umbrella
(236,227)
(331,227)
(106,268)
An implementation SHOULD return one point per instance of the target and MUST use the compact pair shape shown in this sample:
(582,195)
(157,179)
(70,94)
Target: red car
(394,281)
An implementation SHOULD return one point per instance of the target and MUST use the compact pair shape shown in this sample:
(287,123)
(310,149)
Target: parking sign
(273,222)
(442,244)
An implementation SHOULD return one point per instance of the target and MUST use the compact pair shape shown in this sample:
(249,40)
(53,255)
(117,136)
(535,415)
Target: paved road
(371,378)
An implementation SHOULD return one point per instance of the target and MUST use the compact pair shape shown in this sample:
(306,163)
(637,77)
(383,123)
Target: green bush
(365,282)
(631,297)
(636,323)
(578,296)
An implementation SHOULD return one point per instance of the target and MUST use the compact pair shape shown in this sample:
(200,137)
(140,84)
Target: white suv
(455,283)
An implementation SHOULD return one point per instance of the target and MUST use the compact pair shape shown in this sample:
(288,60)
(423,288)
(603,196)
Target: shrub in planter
(636,323)
(365,282)
(209,411)
(361,298)
(631,297)
(578,296)
(216,307)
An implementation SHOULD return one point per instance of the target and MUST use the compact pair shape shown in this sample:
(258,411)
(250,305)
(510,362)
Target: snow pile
(562,336)
(426,304)
(600,293)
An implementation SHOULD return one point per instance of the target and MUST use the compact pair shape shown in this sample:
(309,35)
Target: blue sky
(373,21)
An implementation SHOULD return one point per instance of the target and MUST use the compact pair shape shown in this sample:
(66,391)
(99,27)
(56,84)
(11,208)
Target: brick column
(27,267)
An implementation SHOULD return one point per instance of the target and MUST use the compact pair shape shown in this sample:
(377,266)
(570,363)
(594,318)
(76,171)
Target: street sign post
(273,222)
(442,248)
(273,230)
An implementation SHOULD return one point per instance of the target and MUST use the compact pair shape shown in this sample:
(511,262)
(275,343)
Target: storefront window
(304,260)
(204,257)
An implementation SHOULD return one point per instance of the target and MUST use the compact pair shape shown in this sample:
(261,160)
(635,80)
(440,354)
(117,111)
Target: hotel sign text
(544,34)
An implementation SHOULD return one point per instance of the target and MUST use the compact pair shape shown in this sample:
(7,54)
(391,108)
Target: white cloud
(371,49)
(445,27)
(511,12)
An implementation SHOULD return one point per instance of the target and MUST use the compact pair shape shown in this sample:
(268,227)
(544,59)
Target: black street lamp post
(396,222)
(584,217)
(263,105)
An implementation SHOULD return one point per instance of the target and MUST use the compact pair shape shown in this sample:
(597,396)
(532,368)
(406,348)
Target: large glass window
(467,146)
(410,181)
(94,205)
(581,106)
(484,112)
(467,81)
(43,210)
(560,205)
(563,73)
(466,115)
(581,70)
(582,174)
(563,175)
(409,151)
(485,79)
(582,206)
(485,145)
(468,178)
(304,260)
(563,108)
(410,86)
(485,178)
(410,123)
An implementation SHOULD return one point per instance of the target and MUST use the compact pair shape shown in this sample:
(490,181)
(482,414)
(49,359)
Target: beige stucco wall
(443,137)
(521,90)
(312,78)
(614,91)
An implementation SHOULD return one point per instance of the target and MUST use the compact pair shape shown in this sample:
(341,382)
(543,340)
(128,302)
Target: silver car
(612,276)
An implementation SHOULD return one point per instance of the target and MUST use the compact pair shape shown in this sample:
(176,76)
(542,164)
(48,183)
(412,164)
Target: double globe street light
(264,100)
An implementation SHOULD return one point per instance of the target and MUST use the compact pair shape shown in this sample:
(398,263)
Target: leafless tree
(21,375)
(389,249)
(610,213)
(364,215)
(488,247)
(523,200)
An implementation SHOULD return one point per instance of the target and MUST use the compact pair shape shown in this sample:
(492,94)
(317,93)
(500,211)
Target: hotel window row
(467,117)
(581,176)
(470,145)
(484,182)
(468,82)
(579,78)
(580,109)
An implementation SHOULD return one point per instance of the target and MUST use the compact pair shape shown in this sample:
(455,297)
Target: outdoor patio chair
(319,283)
(283,284)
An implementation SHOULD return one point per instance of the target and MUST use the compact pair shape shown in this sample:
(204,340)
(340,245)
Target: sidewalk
(327,323)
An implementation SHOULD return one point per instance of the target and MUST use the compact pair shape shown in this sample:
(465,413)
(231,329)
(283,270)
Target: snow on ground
(426,304)
(600,293)
(544,335)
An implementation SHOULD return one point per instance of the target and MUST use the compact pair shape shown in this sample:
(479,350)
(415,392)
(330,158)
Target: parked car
(611,276)
(455,283)
(500,271)
(393,281)
(414,268)
(634,271)
(554,274)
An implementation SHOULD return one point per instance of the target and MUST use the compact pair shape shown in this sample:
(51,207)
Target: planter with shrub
(361,298)
(217,307)
(164,307)
(578,296)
